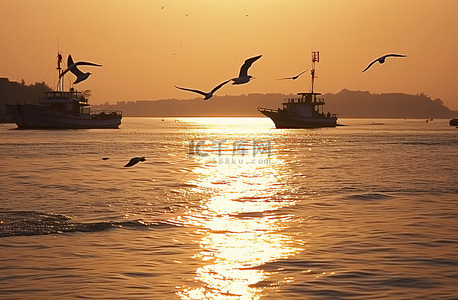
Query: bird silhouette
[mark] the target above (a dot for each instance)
(243, 76)
(381, 59)
(294, 77)
(134, 161)
(206, 95)
(72, 67)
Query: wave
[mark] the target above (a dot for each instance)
(25, 223)
(368, 196)
(431, 143)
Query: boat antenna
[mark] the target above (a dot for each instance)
(60, 83)
(315, 59)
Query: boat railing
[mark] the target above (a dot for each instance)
(314, 101)
(106, 112)
(293, 100)
(56, 95)
(322, 115)
(267, 109)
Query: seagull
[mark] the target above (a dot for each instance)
(206, 95)
(134, 161)
(72, 67)
(382, 59)
(294, 77)
(243, 76)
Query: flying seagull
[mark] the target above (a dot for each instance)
(382, 59)
(206, 95)
(134, 161)
(243, 76)
(72, 67)
(294, 77)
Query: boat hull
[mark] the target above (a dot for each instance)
(29, 116)
(284, 121)
(453, 122)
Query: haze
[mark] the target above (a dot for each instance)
(148, 47)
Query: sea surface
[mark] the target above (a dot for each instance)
(230, 208)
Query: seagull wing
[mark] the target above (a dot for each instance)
(247, 64)
(75, 70)
(371, 64)
(69, 61)
(300, 74)
(285, 78)
(294, 77)
(191, 90)
(396, 55)
(219, 86)
(134, 161)
(85, 63)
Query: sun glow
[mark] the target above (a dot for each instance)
(240, 228)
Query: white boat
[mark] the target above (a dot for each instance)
(303, 112)
(62, 110)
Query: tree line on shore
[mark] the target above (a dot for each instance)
(346, 103)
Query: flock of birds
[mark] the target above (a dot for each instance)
(241, 79)
(244, 77)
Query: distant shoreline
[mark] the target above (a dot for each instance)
(346, 104)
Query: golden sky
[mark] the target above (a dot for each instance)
(147, 47)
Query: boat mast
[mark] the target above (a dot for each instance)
(60, 83)
(315, 58)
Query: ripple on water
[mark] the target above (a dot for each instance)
(368, 196)
(23, 223)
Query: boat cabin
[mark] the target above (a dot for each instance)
(308, 105)
(69, 101)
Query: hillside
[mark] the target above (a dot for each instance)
(358, 104)
(347, 104)
(15, 92)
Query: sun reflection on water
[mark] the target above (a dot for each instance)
(240, 226)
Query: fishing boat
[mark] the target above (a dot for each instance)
(453, 122)
(303, 112)
(62, 110)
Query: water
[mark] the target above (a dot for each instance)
(229, 208)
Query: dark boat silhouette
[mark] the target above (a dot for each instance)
(303, 112)
(62, 110)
